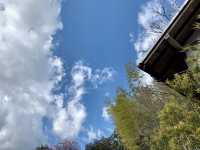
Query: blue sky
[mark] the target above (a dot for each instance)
(61, 61)
(97, 32)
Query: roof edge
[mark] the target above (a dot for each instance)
(178, 16)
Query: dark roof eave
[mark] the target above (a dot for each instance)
(180, 17)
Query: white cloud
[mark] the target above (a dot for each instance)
(29, 74)
(69, 121)
(101, 76)
(29, 71)
(147, 37)
(105, 113)
(148, 17)
(93, 134)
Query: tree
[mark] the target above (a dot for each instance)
(179, 127)
(124, 114)
(161, 117)
(65, 145)
(156, 117)
(187, 83)
(111, 143)
(180, 120)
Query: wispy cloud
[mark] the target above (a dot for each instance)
(93, 134)
(69, 121)
(105, 113)
(101, 76)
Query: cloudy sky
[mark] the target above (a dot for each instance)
(61, 61)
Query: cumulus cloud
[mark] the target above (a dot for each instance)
(29, 71)
(69, 121)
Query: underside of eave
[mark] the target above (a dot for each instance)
(179, 29)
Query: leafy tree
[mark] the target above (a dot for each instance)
(179, 127)
(157, 117)
(135, 111)
(127, 128)
(179, 120)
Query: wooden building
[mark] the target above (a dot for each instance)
(166, 58)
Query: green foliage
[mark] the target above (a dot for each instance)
(179, 128)
(183, 83)
(135, 116)
(179, 121)
(156, 117)
(188, 83)
(126, 127)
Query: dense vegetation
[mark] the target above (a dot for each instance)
(161, 116)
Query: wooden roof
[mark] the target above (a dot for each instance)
(165, 59)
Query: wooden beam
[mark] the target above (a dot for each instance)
(173, 42)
